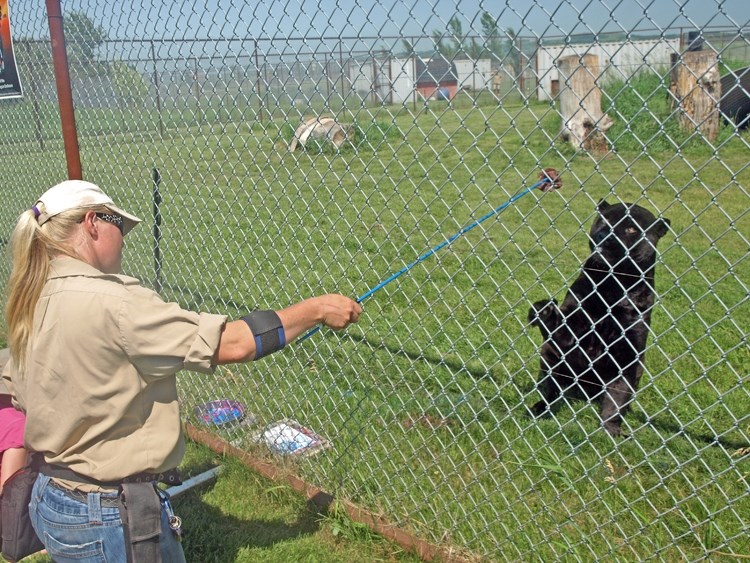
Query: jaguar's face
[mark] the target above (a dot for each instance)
(626, 231)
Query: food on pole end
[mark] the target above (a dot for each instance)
(550, 180)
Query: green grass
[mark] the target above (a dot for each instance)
(248, 224)
(245, 517)
(644, 117)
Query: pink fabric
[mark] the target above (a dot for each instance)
(12, 423)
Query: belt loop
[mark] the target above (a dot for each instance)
(95, 508)
(43, 482)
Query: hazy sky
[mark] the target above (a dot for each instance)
(349, 18)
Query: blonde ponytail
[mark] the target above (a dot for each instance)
(32, 249)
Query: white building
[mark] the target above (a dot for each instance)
(394, 81)
(617, 61)
(474, 75)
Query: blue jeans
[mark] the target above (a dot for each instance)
(87, 532)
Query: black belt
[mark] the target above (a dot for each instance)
(169, 477)
(80, 496)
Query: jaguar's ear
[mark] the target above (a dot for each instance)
(661, 227)
(602, 205)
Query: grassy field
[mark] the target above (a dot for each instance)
(424, 400)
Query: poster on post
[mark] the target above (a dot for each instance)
(10, 82)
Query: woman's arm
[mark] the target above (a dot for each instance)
(334, 311)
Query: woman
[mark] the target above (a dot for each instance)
(94, 358)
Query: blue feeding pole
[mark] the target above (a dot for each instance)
(549, 176)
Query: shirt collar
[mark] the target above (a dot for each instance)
(66, 266)
(69, 267)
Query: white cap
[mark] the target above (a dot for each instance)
(72, 194)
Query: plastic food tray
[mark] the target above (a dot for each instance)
(220, 412)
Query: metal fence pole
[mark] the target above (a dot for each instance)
(157, 199)
(258, 82)
(158, 93)
(35, 102)
(64, 89)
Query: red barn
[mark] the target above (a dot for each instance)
(436, 78)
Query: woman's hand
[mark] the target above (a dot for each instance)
(338, 311)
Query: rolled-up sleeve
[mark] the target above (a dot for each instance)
(201, 354)
(161, 338)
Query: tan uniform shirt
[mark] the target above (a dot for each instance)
(99, 390)
(4, 362)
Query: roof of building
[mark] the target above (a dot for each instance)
(435, 71)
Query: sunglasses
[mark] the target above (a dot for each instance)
(116, 220)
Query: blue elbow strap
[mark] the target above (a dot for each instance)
(268, 332)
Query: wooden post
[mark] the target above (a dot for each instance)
(583, 123)
(696, 90)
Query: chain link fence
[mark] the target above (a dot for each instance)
(438, 114)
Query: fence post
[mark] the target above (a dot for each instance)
(158, 94)
(157, 230)
(64, 90)
(343, 84)
(326, 105)
(198, 91)
(257, 73)
(35, 103)
(414, 78)
(522, 76)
